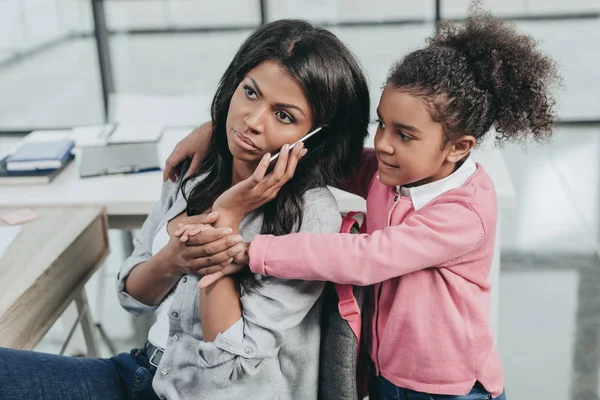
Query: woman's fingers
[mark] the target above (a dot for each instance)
(206, 219)
(210, 279)
(279, 171)
(261, 169)
(219, 259)
(295, 156)
(208, 236)
(217, 247)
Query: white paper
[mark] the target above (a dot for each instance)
(95, 135)
(136, 133)
(8, 234)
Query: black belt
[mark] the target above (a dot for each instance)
(155, 354)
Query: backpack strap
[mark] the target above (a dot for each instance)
(347, 305)
(348, 308)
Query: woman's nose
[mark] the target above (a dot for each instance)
(255, 120)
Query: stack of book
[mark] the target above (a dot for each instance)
(36, 162)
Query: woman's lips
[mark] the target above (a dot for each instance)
(245, 142)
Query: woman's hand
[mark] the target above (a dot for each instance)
(258, 189)
(194, 145)
(210, 247)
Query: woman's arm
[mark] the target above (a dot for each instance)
(220, 304)
(269, 310)
(144, 279)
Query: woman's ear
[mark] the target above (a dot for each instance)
(460, 148)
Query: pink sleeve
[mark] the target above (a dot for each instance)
(441, 233)
(360, 182)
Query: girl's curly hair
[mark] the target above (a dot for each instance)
(481, 75)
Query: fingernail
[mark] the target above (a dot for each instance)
(304, 151)
(236, 239)
(237, 249)
(286, 147)
(226, 231)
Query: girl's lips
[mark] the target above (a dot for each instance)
(385, 165)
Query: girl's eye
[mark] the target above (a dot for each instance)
(403, 137)
(284, 117)
(250, 93)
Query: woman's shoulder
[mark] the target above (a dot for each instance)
(320, 196)
(321, 212)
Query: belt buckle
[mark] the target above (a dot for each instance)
(155, 353)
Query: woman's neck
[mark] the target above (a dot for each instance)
(241, 170)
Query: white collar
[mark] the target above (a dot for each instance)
(421, 195)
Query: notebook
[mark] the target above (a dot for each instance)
(37, 156)
(118, 159)
(9, 178)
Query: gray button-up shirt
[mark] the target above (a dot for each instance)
(271, 352)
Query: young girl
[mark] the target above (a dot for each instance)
(431, 210)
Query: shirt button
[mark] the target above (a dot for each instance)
(175, 337)
(175, 314)
(164, 372)
(396, 198)
(184, 279)
(248, 351)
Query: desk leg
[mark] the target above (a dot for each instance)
(495, 282)
(87, 324)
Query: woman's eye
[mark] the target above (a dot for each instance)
(250, 92)
(379, 123)
(284, 117)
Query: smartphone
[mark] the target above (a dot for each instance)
(275, 156)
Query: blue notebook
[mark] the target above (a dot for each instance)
(36, 156)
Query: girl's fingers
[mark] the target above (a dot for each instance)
(210, 279)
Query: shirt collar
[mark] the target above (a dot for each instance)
(421, 195)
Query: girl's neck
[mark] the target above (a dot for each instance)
(241, 170)
(445, 171)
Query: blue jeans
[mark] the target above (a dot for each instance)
(30, 375)
(382, 389)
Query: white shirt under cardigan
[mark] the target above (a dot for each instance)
(271, 352)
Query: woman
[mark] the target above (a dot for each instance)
(242, 337)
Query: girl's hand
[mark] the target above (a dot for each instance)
(195, 145)
(258, 189)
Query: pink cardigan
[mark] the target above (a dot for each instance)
(429, 329)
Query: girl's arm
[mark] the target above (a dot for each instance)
(195, 146)
(438, 235)
(359, 182)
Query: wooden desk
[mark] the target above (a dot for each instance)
(46, 268)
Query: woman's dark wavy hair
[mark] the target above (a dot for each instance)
(481, 75)
(335, 88)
